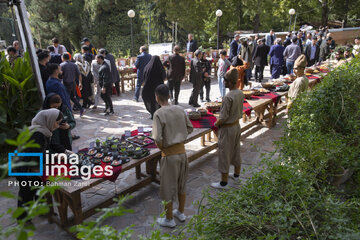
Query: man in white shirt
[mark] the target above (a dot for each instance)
(95, 67)
(59, 49)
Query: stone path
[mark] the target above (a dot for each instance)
(146, 203)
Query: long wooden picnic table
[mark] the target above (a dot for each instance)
(69, 196)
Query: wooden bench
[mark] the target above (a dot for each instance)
(128, 76)
(69, 197)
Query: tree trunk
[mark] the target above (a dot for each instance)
(256, 23)
(345, 13)
(324, 12)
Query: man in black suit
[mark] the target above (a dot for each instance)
(312, 52)
(175, 65)
(196, 75)
(234, 47)
(191, 45)
(260, 59)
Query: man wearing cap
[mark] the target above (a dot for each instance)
(86, 42)
(312, 52)
(234, 46)
(196, 78)
(291, 53)
(229, 130)
(301, 82)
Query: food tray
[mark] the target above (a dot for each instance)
(213, 106)
(140, 140)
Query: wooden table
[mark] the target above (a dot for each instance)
(128, 75)
(69, 197)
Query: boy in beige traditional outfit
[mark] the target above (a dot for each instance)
(229, 130)
(301, 83)
(171, 127)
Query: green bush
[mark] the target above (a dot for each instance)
(294, 197)
(19, 99)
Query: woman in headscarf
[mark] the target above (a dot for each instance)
(84, 68)
(241, 66)
(62, 135)
(42, 126)
(154, 75)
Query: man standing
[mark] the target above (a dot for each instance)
(54, 85)
(301, 83)
(95, 67)
(115, 77)
(105, 84)
(191, 45)
(312, 52)
(58, 48)
(54, 57)
(270, 38)
(16, 45)
(234, 47)
(308, 39)
(277, 58)
(70, 73)
(291, 53)
(325, 49)
(260, 59)
(86, 42)
(299, 41)
(85, 50)
(196, 75)
(141, 61)
(287, 41)
(175, 65)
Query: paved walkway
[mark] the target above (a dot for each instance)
(146, 203)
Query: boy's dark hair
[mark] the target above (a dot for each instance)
(10, 49)
(100, 56)
(85, 48)
(55, 40)
(162, 92)
(52, 67)
(42, 55)
(223, 52)
(51, 48)
(66, 56)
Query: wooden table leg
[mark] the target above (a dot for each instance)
(122, 84)
(75, 205)
(138, 171)
(203, 140)
(209, 137)
(62, 207)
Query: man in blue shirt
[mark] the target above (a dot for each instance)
(312, 52)
(54, 85)
(234, 47)
(141, 61)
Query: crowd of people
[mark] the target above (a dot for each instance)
(93, 74)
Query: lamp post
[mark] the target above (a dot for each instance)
(291, 12)
(131, 15)
(218, 13)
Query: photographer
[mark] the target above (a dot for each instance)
(62, 135)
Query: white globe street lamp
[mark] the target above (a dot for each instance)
(291, 13)
(218, 14)
(131, 15)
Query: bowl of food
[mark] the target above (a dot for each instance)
(309, 70)
(202, 111)
(248, 93)
(99, 155)
(213, 106)
(91, 152)
(96, 161)
(194, 115)
(107, 159)
(256, 92)
(263, 90)
(267, 85)
(116, 163)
